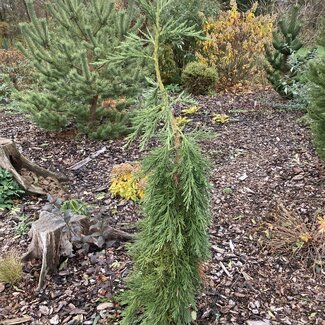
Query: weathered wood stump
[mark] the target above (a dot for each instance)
(46, 235)
(54, 237)
(13, 161)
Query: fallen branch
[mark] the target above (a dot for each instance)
(85, 161)
(14, 321)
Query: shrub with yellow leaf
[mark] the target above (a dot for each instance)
(126, 183)
(182, 120)
(190, 110)
(220, 118)
(235, 45)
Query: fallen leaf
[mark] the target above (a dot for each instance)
(55, 320)
(105, 305)
(242, 177)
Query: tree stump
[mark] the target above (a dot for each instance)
(46, 235)
(13, 161)
(53, 236)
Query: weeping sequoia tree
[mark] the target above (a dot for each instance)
(64, 50)
(172, 242)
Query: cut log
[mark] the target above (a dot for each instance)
(13, 161)
(54, 237)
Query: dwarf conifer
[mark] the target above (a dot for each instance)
(172, 242)
(64, 50)
(316, 75)
(280, 72)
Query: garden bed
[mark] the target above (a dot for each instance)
(261, 156)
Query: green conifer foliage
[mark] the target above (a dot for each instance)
(65, 51)
(193, 13)
(316, 75)
(280, 72)
(173, 241)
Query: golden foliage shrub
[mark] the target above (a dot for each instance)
(126, 183)
(235, 45)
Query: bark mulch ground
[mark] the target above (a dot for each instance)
(260, 157)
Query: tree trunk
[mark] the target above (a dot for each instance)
(93, 110)
(14, 162)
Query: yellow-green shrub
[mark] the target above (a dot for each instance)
(198, 78)
(126, 183)
(220, 118)
(235, 44)
(11, 269)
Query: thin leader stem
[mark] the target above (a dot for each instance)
(176, 131)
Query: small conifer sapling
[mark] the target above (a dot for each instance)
(64, 50)
(172, 242)
(280, 72)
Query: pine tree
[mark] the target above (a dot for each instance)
(280, 72)
(316, 75)
(66, 51)
(173, 241)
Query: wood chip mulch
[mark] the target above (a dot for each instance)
(260, 157)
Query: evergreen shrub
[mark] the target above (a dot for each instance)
(169, 69)
(67, 52)
(316, 76)
(192, 13)
(284, 71)
(199, 79)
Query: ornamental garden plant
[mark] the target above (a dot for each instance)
(172, 243)
(234, 45)
(72, 88)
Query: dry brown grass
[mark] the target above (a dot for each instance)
(294, 236)
(11, 270)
